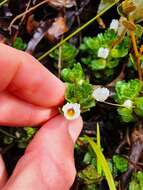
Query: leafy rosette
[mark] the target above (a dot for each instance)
(129, 95)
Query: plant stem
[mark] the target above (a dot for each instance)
(112, 104)
(7, 134)
(77, 31)
(136, 54)
(3, 2)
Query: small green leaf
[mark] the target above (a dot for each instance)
(68, 55)
(139, 106)
(98, 64)
(136, 181)
(127, 90)
(119, 53)
(89, 175)
(74, 75)
(19, 44)
(112, 63)
(82, 94)
(121, 164)
(126, 114)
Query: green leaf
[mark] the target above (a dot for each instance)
(82, 94)
(126, 114)
(98, 64)
(68, 55)
(112, 63)
(139, 106)
(89, 175)
(119, 53)
(104, 163)
(121, 164)
(127, 90)
(136, 181)
(87, 158)
(90, 43)
(19, 44)
(108, 72)
(8, 140)
(74, 75)
(139, 31)
(25, 139)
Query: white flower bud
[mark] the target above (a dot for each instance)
(114, 25)
(128, 104)
(100, 94)
(71, 111)
(103, 53)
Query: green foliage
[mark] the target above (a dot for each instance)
(8, 140)
(82, 94)
(89, 158)
(20, 136)
(130, 90)
(139, 106)
(100, 66)
(120, 163)
(126, 114)
(127, 90)
(136, 181)
(104, 163)
(26, 137)
(92, 44)
(19, 44)
(79, 90)
(89, 175)
(68, 55)
(74, 75)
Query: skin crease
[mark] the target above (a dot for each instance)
(30, 95)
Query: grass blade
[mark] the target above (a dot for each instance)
(103, 162)
(99, 167)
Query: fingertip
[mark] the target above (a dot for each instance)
(75, 128)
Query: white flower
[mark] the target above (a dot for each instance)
(128, 104)
(71, 111)
(114, 25)
(103, 53)
(100, 94)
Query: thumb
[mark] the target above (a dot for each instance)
(48, 162)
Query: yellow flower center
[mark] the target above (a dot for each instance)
(71, 112)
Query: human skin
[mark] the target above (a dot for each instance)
(30, 96)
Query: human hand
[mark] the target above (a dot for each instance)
(29, 95)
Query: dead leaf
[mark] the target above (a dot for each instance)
(58, 28)
(62, 3)
(38, 34)
(31, 24)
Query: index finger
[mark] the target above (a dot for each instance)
(25, 77)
